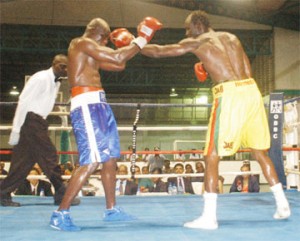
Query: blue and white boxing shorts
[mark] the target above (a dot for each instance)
(94, 127)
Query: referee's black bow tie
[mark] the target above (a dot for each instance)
(57, 79)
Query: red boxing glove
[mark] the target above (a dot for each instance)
(146, 31)
(200, 72)
(121, 37)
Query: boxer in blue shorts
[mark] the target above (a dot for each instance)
(94, 127)
(92, 119)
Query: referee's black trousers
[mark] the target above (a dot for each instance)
(34, 146)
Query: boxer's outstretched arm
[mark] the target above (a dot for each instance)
(170, 50)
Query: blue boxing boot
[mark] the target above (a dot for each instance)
(117, 214)
(61, 220)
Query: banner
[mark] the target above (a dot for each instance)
(276, 131)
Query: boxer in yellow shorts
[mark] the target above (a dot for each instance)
(238, 118)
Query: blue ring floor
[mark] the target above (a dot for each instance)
(160, 218)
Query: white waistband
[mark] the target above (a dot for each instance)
(88, 98)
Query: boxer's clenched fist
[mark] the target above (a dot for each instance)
(200, 72)
(146, 31)
(121, 37)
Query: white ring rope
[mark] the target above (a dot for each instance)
(137, 176)
(128, 128)
(292, 171)
(66, 177)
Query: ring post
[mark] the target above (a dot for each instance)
(134, 136)
(276, 131)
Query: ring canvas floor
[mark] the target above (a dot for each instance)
(241, 217)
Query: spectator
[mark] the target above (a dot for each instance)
(37, 166)
(246, 182)
(145, 183)
(2, 170)
(179, 157)
(220, 184)
(69, 168)
(189, 169)
(194, 156)
(137, 171)
(183, 184)
(62, 169)
(199, 169)
(146, 157)
(125, 186)
(167, 166)
(158, 184)
(34, 187)
(156, 160)
(88, 189)
(127, 157)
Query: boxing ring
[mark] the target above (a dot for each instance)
(161, 216)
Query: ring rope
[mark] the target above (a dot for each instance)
(127, 128)
(291, 171)
(291, 100)
(170, 175)
(65, 177)
(5, 152)
(133, 105)
(150, 105)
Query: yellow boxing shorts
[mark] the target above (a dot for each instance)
(238, 118)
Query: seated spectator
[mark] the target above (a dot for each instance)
(145, 183)
(62, 169)
(2, 170)
(245, 183)
(189, 169)
(137, 171)
(194, 156)
(34, 186)
(37, 166)
(167, 167)
(146, 157)
(129, 156)
(179, 157)
(125, 186)
(220, 184)
(183, 184)
(199, 169)
(158, 184)
(88, 189)
(156, 160)
(69, 167)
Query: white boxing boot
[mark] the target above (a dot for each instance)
(208, 220)
(283, 209)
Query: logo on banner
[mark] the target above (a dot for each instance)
(276, 106)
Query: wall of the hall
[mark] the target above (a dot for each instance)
(287, 59)
(127, 14)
